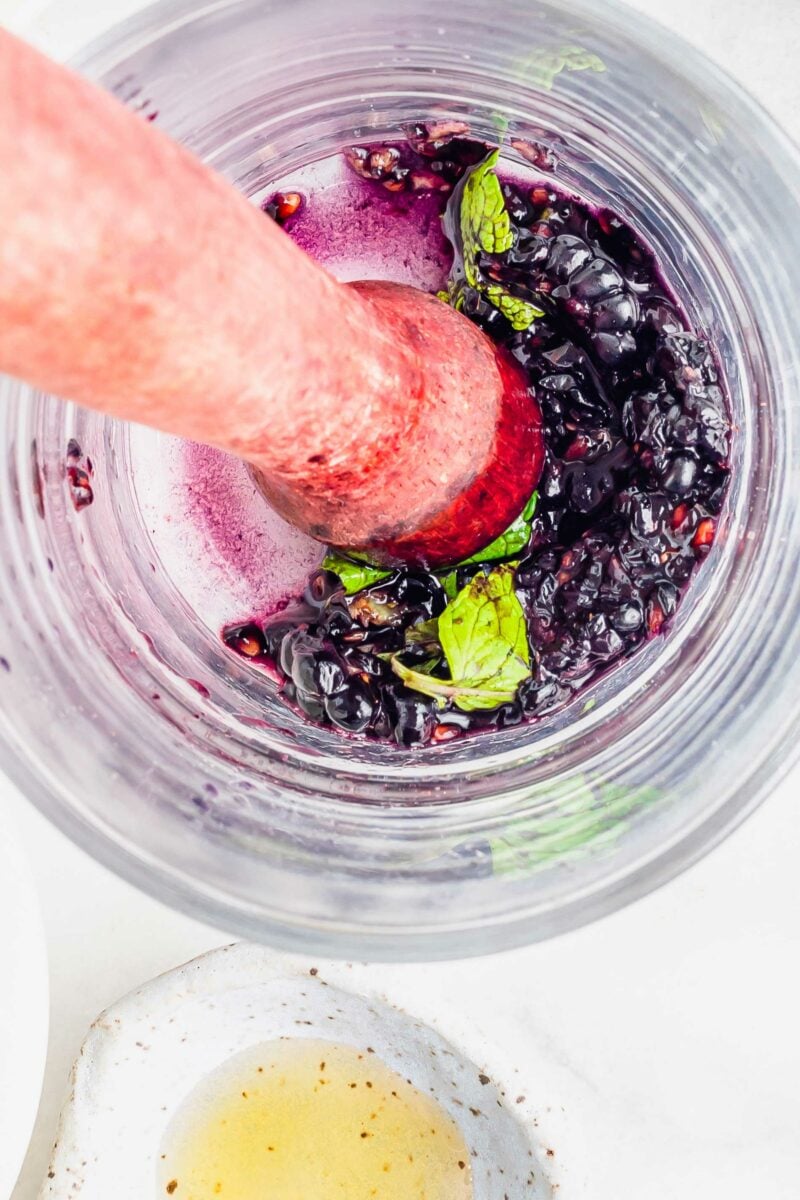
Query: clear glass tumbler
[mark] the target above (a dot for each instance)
(123, 717)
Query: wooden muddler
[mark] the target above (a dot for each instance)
(135, 280)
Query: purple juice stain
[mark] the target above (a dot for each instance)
(248, 540)
(359, 230)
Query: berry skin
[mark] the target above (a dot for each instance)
(412, 717)
(283, 623)
(351, 709)
(298, 645)
(679, 474)
(329, 674)
(304, 668)
(310, 704)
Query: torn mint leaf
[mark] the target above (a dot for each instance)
(477, 223)
(354, 575)
(483, 632)
(520, 313)
(578, 58)
(484, 219)
(501, 123)
(587, 816)
(449, 581)
(484, 638)
(544, 64)
(429, 666)
(369, 609)
(514, 539)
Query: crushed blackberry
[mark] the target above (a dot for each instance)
(637, 430)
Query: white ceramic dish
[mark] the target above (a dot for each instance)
(148, 1052)
(24, 1005)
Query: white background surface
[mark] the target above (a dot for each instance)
(670, 1031)
(23, 1002)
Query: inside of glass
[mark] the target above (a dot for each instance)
(255, 135)
(207, 768)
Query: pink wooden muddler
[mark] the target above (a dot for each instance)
(135, 280)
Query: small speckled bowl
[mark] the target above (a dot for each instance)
(148, 1052)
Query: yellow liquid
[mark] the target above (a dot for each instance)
(311, 1120)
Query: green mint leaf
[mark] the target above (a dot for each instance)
(501, 123)
(484, 635)
(425, 633)
(569, 820)
(576, 58)
(484, 638)
(369, 609)
(544, 64)
(514, 539)
(477, 223)
(484, 219)
(529, 511)
(541, 68)
(520, 313)
(449, 582)
(466, 696)
(354, 575)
